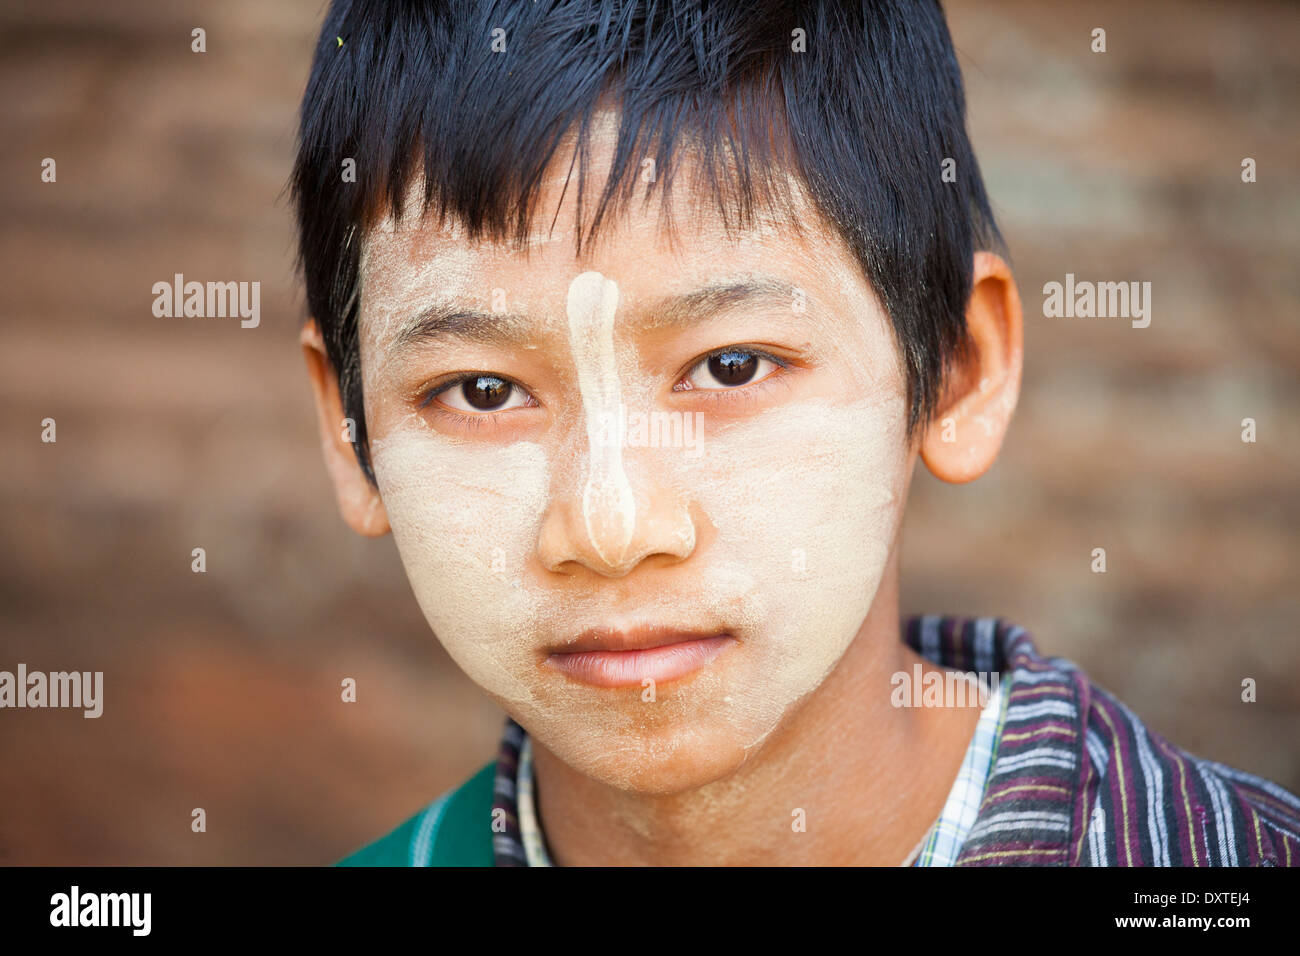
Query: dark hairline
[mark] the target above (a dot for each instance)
(897, 221)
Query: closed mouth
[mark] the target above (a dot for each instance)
(606, 657)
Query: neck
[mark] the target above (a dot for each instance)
(868, 778)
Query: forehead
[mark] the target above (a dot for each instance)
(653, 250)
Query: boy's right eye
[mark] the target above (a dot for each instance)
(480, 393)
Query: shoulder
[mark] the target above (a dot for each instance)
(454, 830)
(1078, 779)
(1149, 802)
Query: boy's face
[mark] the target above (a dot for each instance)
(600, 481)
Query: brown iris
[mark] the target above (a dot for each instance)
(733, 368)
(486, 392)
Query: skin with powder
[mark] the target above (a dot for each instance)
(535, 534)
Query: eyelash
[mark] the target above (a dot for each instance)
(742, 393)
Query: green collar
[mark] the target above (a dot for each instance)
(454, 830)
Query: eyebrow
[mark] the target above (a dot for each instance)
(443, 321)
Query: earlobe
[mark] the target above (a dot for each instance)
(358, 500)
(963, 439)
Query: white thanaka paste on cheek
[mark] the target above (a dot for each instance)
(462, 514)
(608, 504)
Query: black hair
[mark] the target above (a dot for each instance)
(860, 100)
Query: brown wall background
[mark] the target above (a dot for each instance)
(222, 689)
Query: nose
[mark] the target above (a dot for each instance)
(602, 519)
(609, 527)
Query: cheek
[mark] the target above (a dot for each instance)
(465, 521)
(807, 500)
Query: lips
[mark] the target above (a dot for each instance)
(607, 657)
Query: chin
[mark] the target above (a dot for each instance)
(670, 754)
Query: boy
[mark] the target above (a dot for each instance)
(646, 463)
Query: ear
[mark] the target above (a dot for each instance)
(358, 499)
(980, 393)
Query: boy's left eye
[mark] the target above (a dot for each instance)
(728, 368)
(483, 393)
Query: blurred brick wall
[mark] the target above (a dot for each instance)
(222, 689)
(1127, 166)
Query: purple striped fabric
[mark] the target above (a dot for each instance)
(507, 846)
(1077, 779)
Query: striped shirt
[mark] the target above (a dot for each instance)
(1079, 780)
(944, 841)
